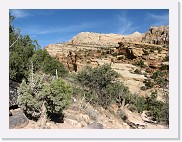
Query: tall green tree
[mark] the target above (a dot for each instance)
(21, 49)
(42, 61)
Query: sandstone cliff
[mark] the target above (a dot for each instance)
(103, 40)
(157, 35)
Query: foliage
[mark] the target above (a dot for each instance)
(55, 94)
(101, 84)
(146, 52)
(137, 71)
(148, 83)
(159, 78)
(24, 51)
(44, 62)
(132, 108)
(140, 64)
(19, 60)
(21, 49)
(164, 67)
(159, 110)
(114, 54)
(122, 114)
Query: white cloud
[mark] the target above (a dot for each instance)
(159, 19)
(125, 25)
(18, 13)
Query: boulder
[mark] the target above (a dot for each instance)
(13, 93)
(18, 121)
(134, 52)
(95, 125)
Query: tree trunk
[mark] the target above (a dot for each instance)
(43, 117)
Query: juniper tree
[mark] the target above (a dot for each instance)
(42, 95)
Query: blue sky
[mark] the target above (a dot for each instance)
(55, 26)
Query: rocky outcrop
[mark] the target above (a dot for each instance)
(18, 120)
(13, 93)
(157, 35)
(103, 40)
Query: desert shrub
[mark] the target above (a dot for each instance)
(157, 74)
(104, 54)
(148, 83)
(138, 102)
(132, 108)
(44, 62)
(164, 67)
(166, 58)
(152, 50)
(159, 78)
(159, 110)
(40, 90)
(140, 63)
(114, 54)
(122, 114)
(102, 85)
(143, 88)
(159, 49)
(146, 52)
(137, 71)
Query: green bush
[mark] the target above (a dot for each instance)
(148, 83)
(102, 84)
(21, 49)
(19, 59)
(55, 94)
(50, 65)
(159, 110)
(132, 108)
(159, 78)
(44, 62)
(114, 54)
(140, 63)
(164, 67)
(122, 114)
(137, 71)
(157, 74)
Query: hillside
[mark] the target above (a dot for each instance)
(137, 71)
(123, 52)
(141, 61)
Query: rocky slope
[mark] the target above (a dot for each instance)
(123, 52)
(81, 115)
(140, 59)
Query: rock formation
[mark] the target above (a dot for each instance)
(103, 40)
(157, 35)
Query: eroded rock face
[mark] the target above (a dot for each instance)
(157, 35)
(103, 40)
